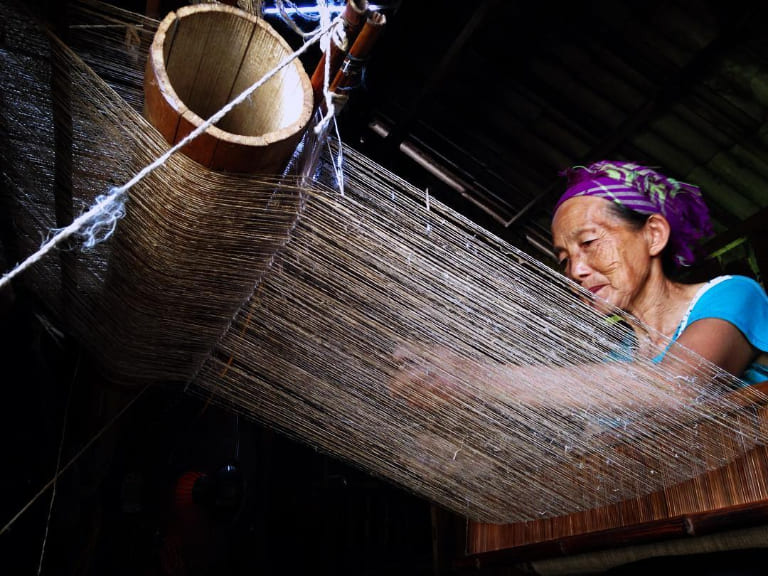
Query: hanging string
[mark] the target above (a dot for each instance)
(338, 160)
(321, 128)
(338, 37)
(72, 460)
(285, 17)
(325, 46)
(65, 418)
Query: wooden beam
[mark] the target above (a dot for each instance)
(686, 527)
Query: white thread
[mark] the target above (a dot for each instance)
(337, 163)
(325, 21)
(325, 45)
(74, 459)
(58, 466)
(114, 203)
(330, 106)
(289, 21)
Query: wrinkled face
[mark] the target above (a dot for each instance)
(601, 251)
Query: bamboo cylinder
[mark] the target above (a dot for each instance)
(201, 58)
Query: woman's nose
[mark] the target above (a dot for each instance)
(579, 268)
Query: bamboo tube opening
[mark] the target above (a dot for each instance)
(201, 58)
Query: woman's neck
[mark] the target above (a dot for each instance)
(662, 305)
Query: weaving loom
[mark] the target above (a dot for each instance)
(285, 296)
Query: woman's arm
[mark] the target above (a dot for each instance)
(430, 376)
(721, 343)
(712, 339)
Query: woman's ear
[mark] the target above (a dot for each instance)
(657, 232)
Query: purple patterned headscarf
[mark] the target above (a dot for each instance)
(646, 191)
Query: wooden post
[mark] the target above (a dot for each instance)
(350, 72)
(353, 18)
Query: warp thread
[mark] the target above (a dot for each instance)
(360, 277)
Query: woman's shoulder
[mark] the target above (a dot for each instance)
(729, 297)
(740, 300)
(732, 285)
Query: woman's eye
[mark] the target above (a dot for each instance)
(586, 243)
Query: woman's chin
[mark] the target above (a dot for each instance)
(602, 306)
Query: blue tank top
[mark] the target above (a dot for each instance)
(741, 301)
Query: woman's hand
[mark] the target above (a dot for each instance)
(427, 379)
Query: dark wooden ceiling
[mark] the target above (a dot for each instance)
(484, 102)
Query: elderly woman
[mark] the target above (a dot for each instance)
(621, 228)
(620, 231)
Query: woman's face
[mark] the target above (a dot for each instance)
(602, 252)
